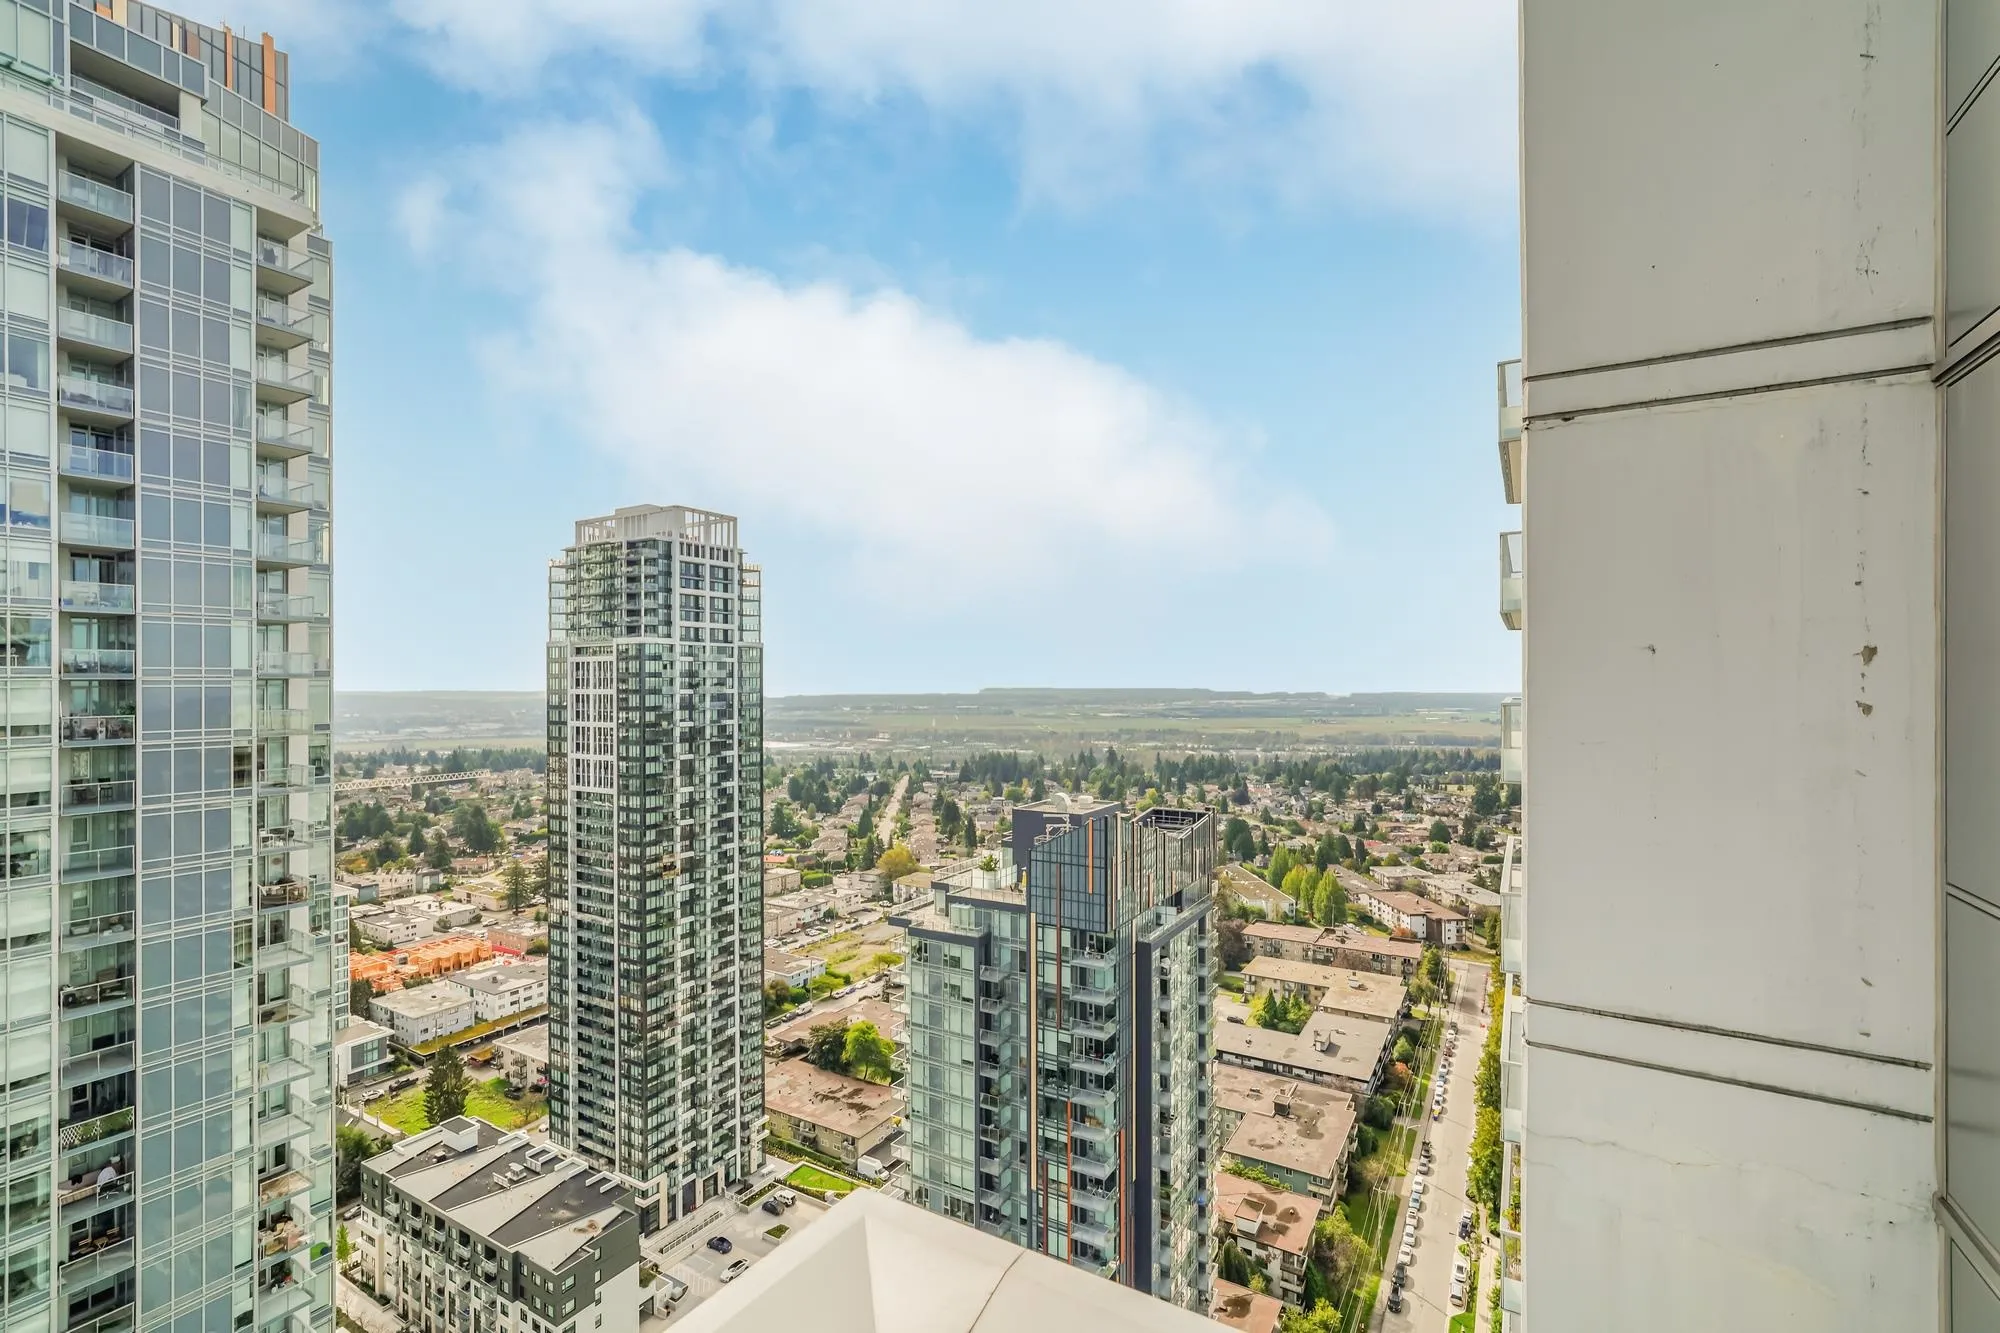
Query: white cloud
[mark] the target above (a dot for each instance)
(906, 441)
(1397, 106)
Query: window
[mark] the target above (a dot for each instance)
(28, 225)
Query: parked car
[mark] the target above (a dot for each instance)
(1395, 1300)
(773, 1207)
(785, 1198)
(1424, 1167)
(1406, 1257)
(720, 1244)
(1460, 1269)
(735, 1270)
(1457, 1293)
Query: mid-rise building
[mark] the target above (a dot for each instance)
(166, 439)
(1060, 1042)
(468, 1227)
(656, 858)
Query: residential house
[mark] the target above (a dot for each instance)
(796, 970)
(361, 1051)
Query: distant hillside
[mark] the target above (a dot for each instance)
(425, 717)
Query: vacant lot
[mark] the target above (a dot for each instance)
(489, 1101)
(861, 953)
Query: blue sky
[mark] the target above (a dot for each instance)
(1145, 342)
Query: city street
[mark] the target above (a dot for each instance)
(1427, 1298)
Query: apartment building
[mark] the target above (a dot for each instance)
(503, 990)
(1061, 1030)
(468, 1227)
(656, 858)
(1755, 584)
(1272, 1228)
(167, 439)
(424, 1014)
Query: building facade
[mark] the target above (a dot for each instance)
(1755, 580)
(655, 787)
(166, 436)
(468, 1227)
(1061, 1040)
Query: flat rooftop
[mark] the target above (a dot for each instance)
(1243, 1309)
(1333, 1045)
(530, 1198)
(850, 1106)
(1277, 1218)
(1310, 1138)
(888, 1019)
(1364, 994)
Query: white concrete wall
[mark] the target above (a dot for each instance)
(1731, 217)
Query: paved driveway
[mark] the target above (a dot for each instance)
(1427, 1298)
(701, 1268)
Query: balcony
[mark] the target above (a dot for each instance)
(93, 464)
(99, 598)
(282, 895)
(1511, 458)
(278, 381)
(95, 996)
(95, 862)
(280, 1013)
(286, 777)
(1513, 1090)
(88, 932)
(99, 729)
(283, 721)
(271, 1073)
(84, 797)
(98, 661)
(278, 325)
(290, 607)
(82, 1133)
(86, 398)
(274, 663)
(1513, 909)
(116, 1318)
(95, 269)
(88, 1066)
(96, 1258)
(105, 532)
(279, 438)
(107, 203)
(281, 494)
(282, 269)
(1513, 586)
(281, 954)
(278, 1127)
(1513, 733)
(274, 551)
(99, 332)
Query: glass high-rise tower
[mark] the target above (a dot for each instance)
(165, 334)
(656, 867)
(1061, 1042)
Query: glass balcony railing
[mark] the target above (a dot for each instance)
(88, 529)
(85, 394)
(95, 329)
(278, 433)
(105, 200)
(286, 776)
(281, 317)
(89, 729)
(98, 661)
(97, 860)
(272, 663)
(277, 550)
(82, 460)
(90, 262)
(1513, 588)
(111, 597)
(284, 261)
(1513, 909)
(283, 721)
(1512, 400)
(278, 373)
(290, 606)
(1513, 734)
(103, 928)
(105, 990)
(282, 490)
(85, 796)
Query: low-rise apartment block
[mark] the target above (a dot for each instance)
(1334, 1050)
(796, 970)
(1272, 1228)
(502, 990)
(477, 1229)
(421, 1015)
(1245, 1310)
(844, 1118)
(789, 1037)
(1302, 1133)
(1338, 990)
(1413, 915)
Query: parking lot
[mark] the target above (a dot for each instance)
(701, 1268)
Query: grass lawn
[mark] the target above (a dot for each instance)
(806, 1176)
(488, 1101)
(1461, 1323)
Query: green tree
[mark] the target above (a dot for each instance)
(1281, 1015)
(418, 843)
(1380, 1112)
(343, 1249)
(1282, 862)
(1335, 1245)
(387, 850)
(1440, 831)
(1297, 884)
(1236, 1166)
(514, 879)
(470, 824)
(1323, 1318)
(1430, 966)
(1237, 841)
(352, 1145)
(1230, 944)
(445, 1087)
(777, 997)
(868, 1054)
(971, 832)
(360, 994)
(1230, 1265)
(895, 863)
(826, 1046)
(1402, 1055)
(438, 855)
(1486, 796)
